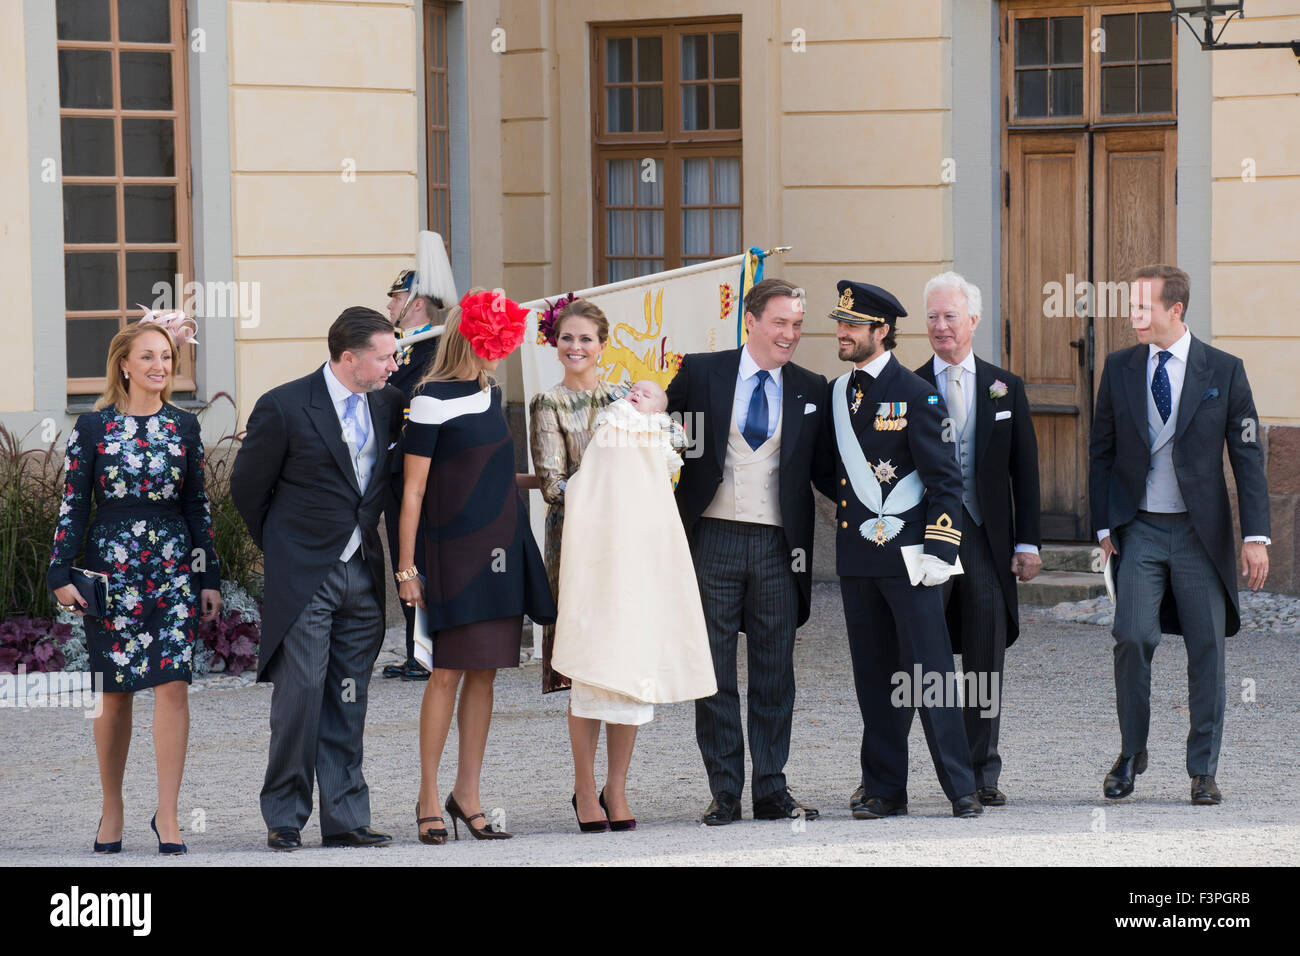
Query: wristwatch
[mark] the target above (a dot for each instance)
(402, 576)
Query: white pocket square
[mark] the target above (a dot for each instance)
(809, 408)
(1001, 416)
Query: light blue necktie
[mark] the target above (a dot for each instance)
(359, 431)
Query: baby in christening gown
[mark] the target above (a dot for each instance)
(630, 632)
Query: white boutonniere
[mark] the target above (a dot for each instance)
(998, 389)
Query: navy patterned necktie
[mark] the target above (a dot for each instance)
(756, 418)
(1160, 390)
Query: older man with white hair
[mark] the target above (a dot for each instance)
(993, 441)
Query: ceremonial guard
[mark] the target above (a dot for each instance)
(412, 300)
(896, 484)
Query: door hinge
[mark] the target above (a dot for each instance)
(1007, 339)
(1006, 188)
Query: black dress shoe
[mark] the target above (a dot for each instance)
(873, 808)
(859, 797)
(782, 805)
(722, 810)
(411, 670)
(361, 836)
(1205, 792)
(991, 797)
(1119, 782)
(283, 838)
(967, 806)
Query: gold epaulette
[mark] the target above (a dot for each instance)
(942, 530)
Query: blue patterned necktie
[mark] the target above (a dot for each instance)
(359, 431)
(1160, 390)
(756, 418)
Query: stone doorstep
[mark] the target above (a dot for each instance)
(1053, 587)
(1067, 557)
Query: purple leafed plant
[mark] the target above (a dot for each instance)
(233, 641)
(34, 645)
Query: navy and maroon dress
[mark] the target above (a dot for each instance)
(484, 571)
(151, 524)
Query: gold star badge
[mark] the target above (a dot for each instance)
(885, 471)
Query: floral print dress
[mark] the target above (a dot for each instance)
(152, 536)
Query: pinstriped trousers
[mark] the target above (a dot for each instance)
(983, 613)
(1158, 551)
(318, 709)
(746, 584)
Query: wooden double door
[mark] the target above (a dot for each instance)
(1087, 200)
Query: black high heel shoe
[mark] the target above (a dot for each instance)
(114, 847)
(593, 826)
(432, 837)
(169, 849)
(629, 824)
(484, 833)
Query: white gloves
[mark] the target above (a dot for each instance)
(934, 570)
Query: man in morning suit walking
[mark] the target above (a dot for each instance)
(998, 455)
(746, 503)
(309, 481)
(897, 484)
(1165, 410)
(413, 298)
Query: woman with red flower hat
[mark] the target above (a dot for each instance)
(485, 571)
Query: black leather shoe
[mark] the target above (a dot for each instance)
(967, 806)
(411, 670)
(991, 797)
(284, 838)
(782, 805)
(722, 810)
(859, 798)
(1119, 782)
(361, 836)
(873, 808)
(1205, 792)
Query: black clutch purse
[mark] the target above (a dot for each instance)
(93, 588)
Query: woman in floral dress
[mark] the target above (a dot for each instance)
(141, 460)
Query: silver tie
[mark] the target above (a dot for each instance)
(956, 399)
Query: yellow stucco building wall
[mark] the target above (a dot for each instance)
(1255, 243)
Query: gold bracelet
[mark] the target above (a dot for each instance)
(403, 576)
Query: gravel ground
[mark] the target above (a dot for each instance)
(1059, 737)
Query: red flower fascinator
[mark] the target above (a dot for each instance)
(493, 325)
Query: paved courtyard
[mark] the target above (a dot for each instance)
(1059, 737)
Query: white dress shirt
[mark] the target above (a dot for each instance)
(1176, 369)
(363, 459)
(745, 384)
(942, 378)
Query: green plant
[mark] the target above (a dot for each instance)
(241, 560)
(31, 490)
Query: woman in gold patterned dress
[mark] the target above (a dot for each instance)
(561, 423)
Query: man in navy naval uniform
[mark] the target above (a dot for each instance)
(896, 484)
(413, 299)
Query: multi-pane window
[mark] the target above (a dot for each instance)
(124, 170)
(1099, 63)
(668, 139)
(1137, 67)
(436, 113)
